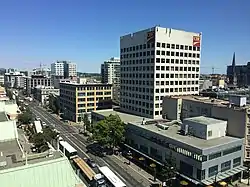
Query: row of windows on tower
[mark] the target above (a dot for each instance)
(160, 52)
(158, 75)
(127, 91)
(158, 44)
(159, 60)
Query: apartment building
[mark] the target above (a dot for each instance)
(110, 72)
(63, 68)
(57, 68)
(198, 148)
(235, 111)
(77, 99)
(1, 80)
(14, 80)
(41, 93)
(36, 80)
(70, 70)
(156, 62)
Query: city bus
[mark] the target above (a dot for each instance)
(67, 149)
(111, 179)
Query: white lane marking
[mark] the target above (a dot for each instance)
(101, 160)
(77, 147)
(86, 153)
(132, 168)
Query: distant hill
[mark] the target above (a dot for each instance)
(80, 74)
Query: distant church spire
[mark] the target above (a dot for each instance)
(233, 62)
(234, 71)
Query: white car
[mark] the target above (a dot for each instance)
(44, 124)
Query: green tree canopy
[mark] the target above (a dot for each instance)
(53, 104)
(109, 131)
(86, 122)
(26, 117)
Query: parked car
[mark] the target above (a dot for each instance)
(91, 163)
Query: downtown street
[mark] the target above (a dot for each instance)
(131, 177)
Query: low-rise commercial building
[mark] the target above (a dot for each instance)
(236, 112)
(10, 108)
(77, 99)
(20, 167)
(198, 147)
(41, 93)
(126, 118)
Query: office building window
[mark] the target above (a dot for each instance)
(213, 171)
(214, 155)
(209, 133)
(236, 162)
(232, 150)
(226, 166)
(200, 174)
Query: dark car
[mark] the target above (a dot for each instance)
(96, 149)
(91, 163)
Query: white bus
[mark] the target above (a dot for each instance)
(67, 149)
(111, 179)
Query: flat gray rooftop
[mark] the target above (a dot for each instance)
(173, 132)
(3, 117)
(204, 120)
(124, 116)
(14, 156)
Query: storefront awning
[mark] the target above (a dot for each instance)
(224, 175)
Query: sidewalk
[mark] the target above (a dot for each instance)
(135, 171)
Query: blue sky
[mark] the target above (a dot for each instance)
(88, 32)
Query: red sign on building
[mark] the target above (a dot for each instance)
(196, 41)
(151, 37)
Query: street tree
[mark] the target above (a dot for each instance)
(87, 124)
(169, 170)
(49, 134)
(109, 131)
(53, 104)
(25, 117)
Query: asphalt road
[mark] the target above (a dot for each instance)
(71, 135)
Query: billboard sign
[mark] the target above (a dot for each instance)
(196, 41)
(151, 37)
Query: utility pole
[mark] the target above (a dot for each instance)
(213, 70)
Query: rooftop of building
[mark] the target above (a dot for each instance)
(208, 100)
(125, 117)
(50, 165)
(173, 131)
(3, 117)
(87, 84)
(204, 120)
(156, 27)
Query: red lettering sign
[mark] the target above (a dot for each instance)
(196, 41)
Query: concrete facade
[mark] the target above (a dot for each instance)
(158, 61)
(110, 71)
(238, 118)
(197, 159)
(41, 93)
(37, 80)
(77, 99)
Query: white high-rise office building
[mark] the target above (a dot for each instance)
(70, 70)
(157, 62)
(57, 68)
(110, 71)
(63, 68)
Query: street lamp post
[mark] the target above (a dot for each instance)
(154, 167)
(215, 178)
